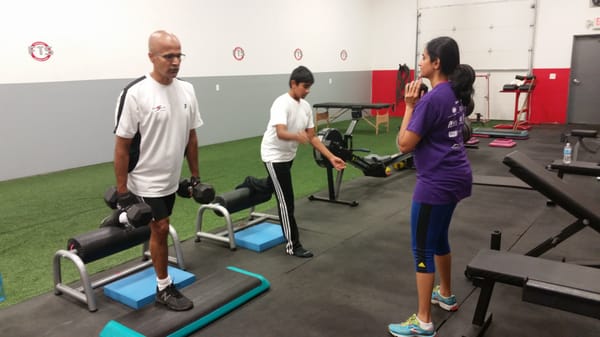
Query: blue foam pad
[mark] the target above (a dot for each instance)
(260, 237)
(139, 289)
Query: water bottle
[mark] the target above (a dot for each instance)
(1, 289)
(567, 153)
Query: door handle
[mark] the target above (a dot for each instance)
(576, 81)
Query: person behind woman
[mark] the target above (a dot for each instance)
(432, 129)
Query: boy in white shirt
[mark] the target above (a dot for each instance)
(290, 124)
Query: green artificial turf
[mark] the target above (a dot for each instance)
(40, 213)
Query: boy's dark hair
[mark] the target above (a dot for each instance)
(301, 75)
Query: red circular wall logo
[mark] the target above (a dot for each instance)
(40, 51)
(238, 53)
(344, 54)
(298, 54)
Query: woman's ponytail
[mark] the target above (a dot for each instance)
(462, 80)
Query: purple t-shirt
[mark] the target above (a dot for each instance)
(443, 170)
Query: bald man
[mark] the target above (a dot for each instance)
(156, 120)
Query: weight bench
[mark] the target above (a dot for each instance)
(584, 168)
(565, 195)
(100, 243)
(576, 166)
(581, 135)
(228, 203)
(559, 285)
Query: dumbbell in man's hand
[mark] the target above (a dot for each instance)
(129, 210)
(202, 193)
(115, 200)
(185, 189)
(127, 200)
(193, 188)
(133, 217)
(110, 197)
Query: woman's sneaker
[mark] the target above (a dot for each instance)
(446, 303)
(410, 328)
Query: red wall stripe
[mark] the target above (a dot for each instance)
(548, 101)
(383, 89)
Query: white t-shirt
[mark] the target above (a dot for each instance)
(163, 115)
(296, 116)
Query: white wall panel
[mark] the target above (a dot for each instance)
(494, 37)
(108, 39)
(393, 32)
(557, 22)
(491, 34)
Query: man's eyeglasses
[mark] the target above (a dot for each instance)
(170, 57)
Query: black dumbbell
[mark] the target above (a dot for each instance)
(113, 200)
(135, 216)
(184, 189)
(110, 197)
(202, 193)
(139, 214)
(132, 215)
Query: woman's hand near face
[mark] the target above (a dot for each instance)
(412, 93)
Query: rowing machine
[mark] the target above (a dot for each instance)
(371, 165)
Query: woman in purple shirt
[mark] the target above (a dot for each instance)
(432, 130)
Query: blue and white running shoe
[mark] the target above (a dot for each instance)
(446, 303)
(410, 328)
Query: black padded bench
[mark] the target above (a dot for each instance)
(583, 133)
(559, 285)
(578, 167)
(585, 168)
(561, 193)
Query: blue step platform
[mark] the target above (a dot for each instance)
(214, 296)
(260, 237)
(139, 289)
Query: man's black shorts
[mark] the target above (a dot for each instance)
(162, 207)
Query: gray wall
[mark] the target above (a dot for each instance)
(47, 127)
